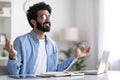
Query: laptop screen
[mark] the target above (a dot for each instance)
(103, 61)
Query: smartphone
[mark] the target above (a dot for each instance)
(22, 76)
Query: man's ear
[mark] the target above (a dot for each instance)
(33, 22)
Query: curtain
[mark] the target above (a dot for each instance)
(112, 31)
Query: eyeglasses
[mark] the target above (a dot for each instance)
(44, 16)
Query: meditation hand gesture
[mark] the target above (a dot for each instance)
(10, 49)
(82, 50)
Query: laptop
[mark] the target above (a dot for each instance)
(102, 66)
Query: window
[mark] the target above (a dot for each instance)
(112, 27)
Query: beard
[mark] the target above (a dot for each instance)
(45, 27)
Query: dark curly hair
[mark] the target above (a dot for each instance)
(32, 11)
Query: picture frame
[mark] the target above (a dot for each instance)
(2, 38)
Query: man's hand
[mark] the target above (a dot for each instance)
(10, 49)
(81, 53)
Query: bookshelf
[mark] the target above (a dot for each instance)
(5, 26)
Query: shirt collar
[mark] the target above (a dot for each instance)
(36, 38)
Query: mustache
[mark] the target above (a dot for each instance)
(46, 23)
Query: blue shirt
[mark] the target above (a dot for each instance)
(27, 51)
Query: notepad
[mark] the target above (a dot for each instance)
(60, 74)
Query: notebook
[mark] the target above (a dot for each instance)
(60, 74)
(102, 65)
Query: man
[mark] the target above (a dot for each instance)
(34, 52)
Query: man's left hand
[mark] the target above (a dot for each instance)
(79, 53)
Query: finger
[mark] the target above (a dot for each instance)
(8, 44)
(12, 49)
(88, 50)
(7, 41)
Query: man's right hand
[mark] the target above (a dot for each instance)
(10, 49)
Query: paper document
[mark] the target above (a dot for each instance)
(55, 74)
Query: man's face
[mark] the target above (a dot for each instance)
(43, 21)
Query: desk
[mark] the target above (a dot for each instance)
(111, 75)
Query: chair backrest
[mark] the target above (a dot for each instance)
(3, 70)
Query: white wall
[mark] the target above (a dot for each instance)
(63, 16)
(20, 24)
(86, 21)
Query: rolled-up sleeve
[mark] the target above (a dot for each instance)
(65, 65)
(13, 66)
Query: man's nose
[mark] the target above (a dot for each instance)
(48, 18)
